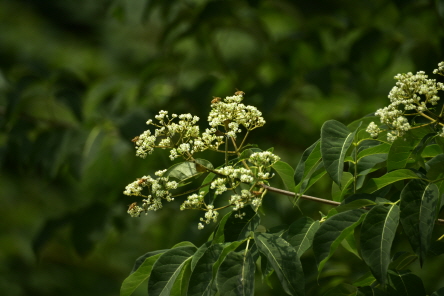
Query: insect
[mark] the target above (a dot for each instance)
(132, 206)
(215, 100)
(239, 93)
(140, 181)
(135, 139)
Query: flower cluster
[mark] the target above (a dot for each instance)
(413, 94)
(181, 135)
(231, 114)
(158, 189)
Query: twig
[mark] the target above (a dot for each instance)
(317, 199)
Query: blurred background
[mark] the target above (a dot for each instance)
(79, 79)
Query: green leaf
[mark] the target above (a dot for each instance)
(335, 141)
(137, 277)
(199, 253)
(342, 290)
(218, 234)
(405, 283)
(370, 291)
(284, 260)
(402, 260)
(439, 292)
(286, 172)
(180, 286)
(186, 170)
(332, 231)
(349, 243)
(201, 281)
(431, 151)
(377, 183)
(236, 275)
(338, 193)
(382, 148)
(435, 167)
(377, 234)
(239, 229)
(402, 149)
(419, 200)
(309, 160)
(167, 269)
(355, 204)
(300, 234)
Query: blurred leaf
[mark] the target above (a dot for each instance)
(332, 231)
(284, 260)
(343, 290)
(434, 167)
(439, 292)
(377, 233)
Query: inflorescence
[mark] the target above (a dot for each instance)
(180, 134)
(413, 95)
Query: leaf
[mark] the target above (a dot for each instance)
(377, 183)
(335, 141)
(286, 172)
(342, 290)
(227, 248)
(439, 292)
(382, 148)
(167, 268)
(137, 277)
(370, 291)
(239, 228)
(201, 281)
(377, 234)
(180, 286)
(218, 234)
(236, 275)
(185, 170)
(284, 260)
(141, 259)
(402, 149)
(199, 253)
(310, 158)
(349, 243)
(355, 204)
(332, 231)
(419, 200)
(405, 283)
(402, 260)
(435, 167)
(300, 234)
(338, 193)
(431, 151)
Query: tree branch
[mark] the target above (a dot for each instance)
(317, 199)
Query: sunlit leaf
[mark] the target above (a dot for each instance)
(419, 200)
(377, 233)
(332, 231)
(284, 260)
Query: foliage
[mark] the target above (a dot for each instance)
(78, 79)
(381, 185)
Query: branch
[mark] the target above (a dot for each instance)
(317, 199)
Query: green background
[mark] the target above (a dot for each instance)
(79, 79)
